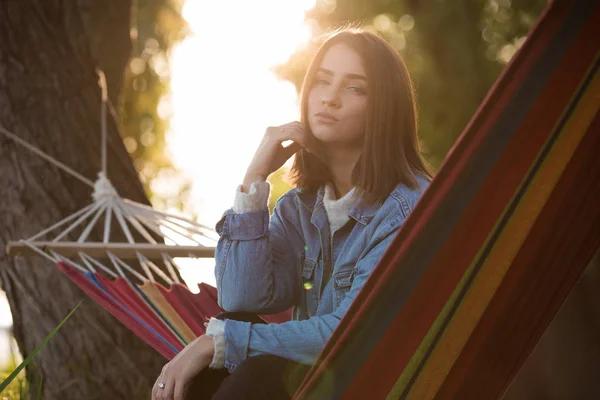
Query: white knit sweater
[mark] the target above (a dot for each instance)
(257, 199)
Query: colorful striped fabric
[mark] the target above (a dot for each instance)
(166, 319)
(493, 248)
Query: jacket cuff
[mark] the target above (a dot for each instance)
(256, 199)
(250, 225)
(237, 336)
(216, 330)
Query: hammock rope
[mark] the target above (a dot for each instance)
(189, 238)
(45, 156)
(166, 317)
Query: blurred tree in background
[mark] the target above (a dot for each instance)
(454, 50)
(57, 100)
(145, 109)
(49, 96)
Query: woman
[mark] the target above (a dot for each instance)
(358, 173)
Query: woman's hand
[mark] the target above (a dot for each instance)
(177, 373)
(271, 154)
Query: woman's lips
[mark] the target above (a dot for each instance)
(325, 118)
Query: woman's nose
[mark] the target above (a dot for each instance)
(331, 99)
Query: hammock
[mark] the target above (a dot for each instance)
(153, 303)
(495, 244)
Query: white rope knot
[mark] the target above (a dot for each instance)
(103, 188)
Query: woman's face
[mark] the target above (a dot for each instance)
(337, 101)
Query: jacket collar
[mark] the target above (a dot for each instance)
(361, 213)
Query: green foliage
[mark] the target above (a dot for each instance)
(454, 49)
(19, 387)
(145, 111)
(279, 186)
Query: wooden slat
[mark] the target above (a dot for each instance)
(122, 250)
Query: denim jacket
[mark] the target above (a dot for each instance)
(268, 264)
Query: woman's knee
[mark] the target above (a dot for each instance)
(263, 376)
(257, 366)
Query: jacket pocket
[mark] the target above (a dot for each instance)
(342, 282)
(343, 279)
(308, 269)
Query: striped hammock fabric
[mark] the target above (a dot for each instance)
(496, 243)
(167, 319)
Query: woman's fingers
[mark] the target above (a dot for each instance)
(179, 391)
(290, 150)
(168, 391)
(298, 133)
(272, 154)
(162, 393)
(293, 131)
(156, 391)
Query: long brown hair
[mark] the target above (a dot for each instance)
(391, 153)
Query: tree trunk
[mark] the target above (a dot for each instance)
(49, 96)
(106, 24)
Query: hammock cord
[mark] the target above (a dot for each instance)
(102, 83)
(45, 156)
(55, 162)
(143, 219)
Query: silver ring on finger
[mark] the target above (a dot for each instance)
(161, 385)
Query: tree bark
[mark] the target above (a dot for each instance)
(49, 96)
(106, 24)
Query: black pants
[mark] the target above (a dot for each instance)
(260, 377)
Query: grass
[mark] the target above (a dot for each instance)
(14, 386)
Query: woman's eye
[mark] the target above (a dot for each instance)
(357, 89)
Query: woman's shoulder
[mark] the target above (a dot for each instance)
(293, 199)
(403, 191)
(404, 198)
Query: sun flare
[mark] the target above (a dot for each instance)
(224, 95)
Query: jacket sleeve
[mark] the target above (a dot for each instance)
(255, 263)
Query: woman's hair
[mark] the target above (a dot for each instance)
(391, 153)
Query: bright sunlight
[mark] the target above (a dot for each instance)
(223, 97)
